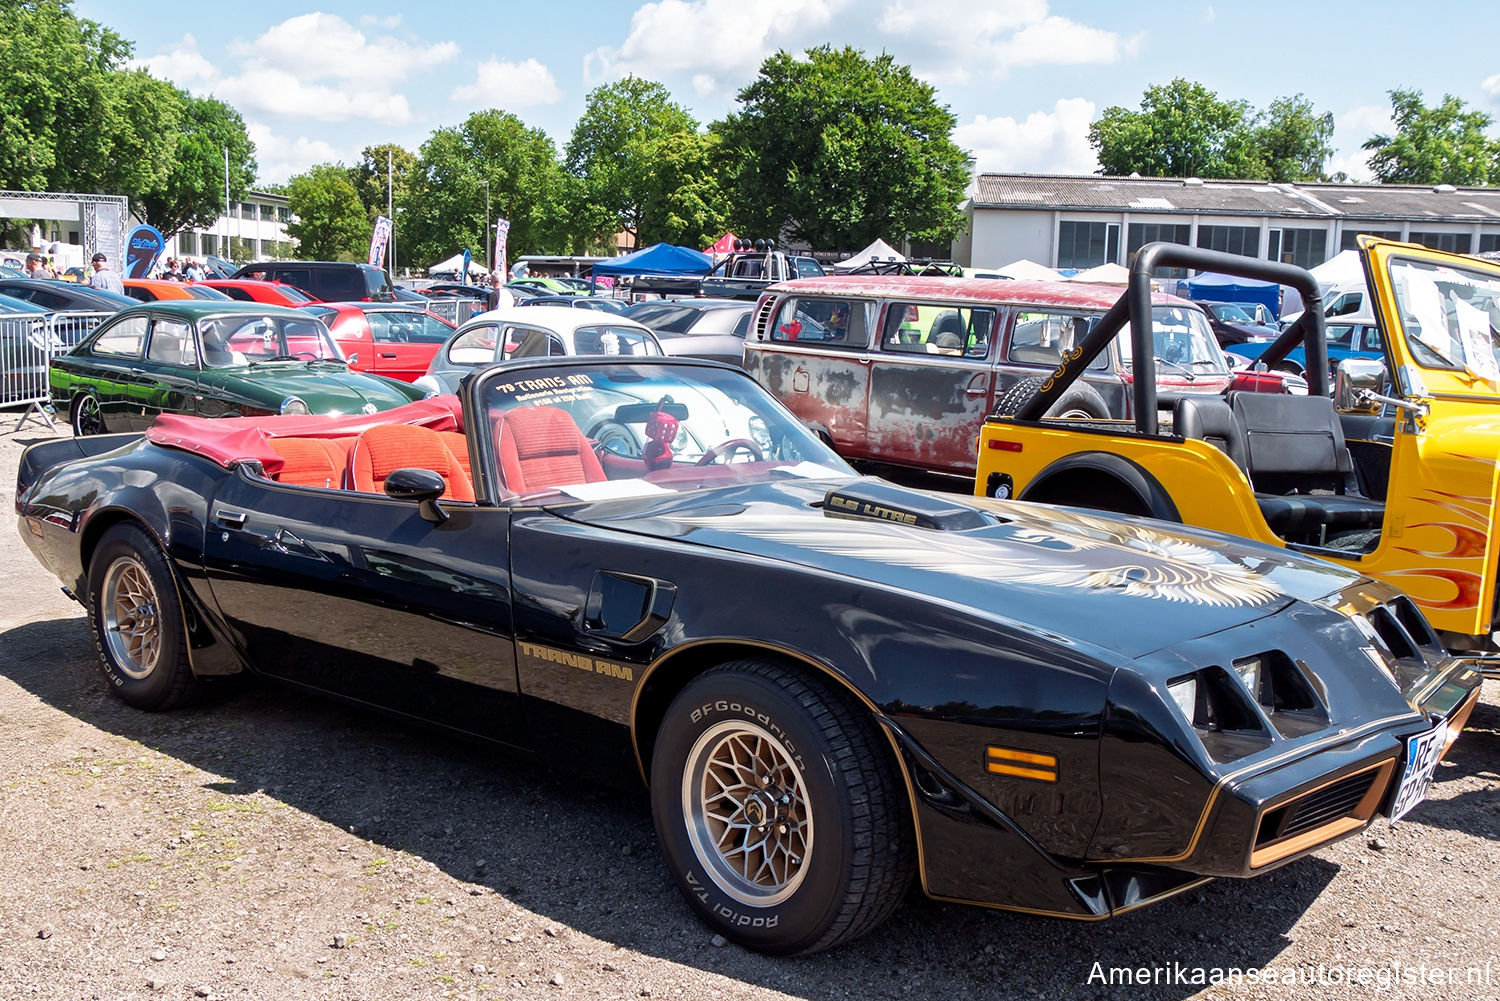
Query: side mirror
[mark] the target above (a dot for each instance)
(420, 485)
(1353, 378)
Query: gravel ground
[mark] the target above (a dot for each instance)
(266, 844)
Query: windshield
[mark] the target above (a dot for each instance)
(1449, 316)
(1230, 313)
(247, 339)
(636, 428)
(1183, 339)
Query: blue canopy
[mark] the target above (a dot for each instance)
(657, 259)
(1212, 287)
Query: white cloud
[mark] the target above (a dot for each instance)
(371, 20)
(721, 43)
(1054, 142)
(325, 46)
(955, 41)
(311, 66)
(279, 158)
(510, 85)
(1209, 16)
(1350, 129)
(1491, 87)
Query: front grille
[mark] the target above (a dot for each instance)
(1320, 815)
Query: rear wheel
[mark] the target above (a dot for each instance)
(778, 809)
(137, 622)
(86, 417)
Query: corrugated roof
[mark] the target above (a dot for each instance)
(1254, 198)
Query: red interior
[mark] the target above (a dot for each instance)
(227, 440)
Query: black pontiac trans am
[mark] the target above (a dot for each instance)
(830, 684)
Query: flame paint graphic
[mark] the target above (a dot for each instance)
(1467, 543)
(1465, 586)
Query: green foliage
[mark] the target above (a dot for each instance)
(841, 149)
(1441, 145)
(1293, 141)
(1183, 129)
(331, 224)
(611, 154)
(682, 200)
(191, 193)
(57, 69)
(369, 177)
(446, 201)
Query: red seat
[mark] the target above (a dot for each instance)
(459, 446)
(310, 462)
(381, 449)
(540, 448)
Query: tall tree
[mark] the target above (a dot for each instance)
(446, 202)
(1183, 129)
(191, 194)
(369, 176)
(1445, 144)
(840, 149)
(682, 199)
(610, 151)
(331, 224)
(1293, 141)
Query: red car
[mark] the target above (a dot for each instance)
(248, 290)
(396, 340)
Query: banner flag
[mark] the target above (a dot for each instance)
(142, 248)
(502, 230)
(378, 239)
(463, 276)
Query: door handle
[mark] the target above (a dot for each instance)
(234, 519)
(384, 355)
(975, 394)
(137, 371)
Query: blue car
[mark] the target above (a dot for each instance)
(1348, 337)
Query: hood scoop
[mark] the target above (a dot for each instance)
(875, 500)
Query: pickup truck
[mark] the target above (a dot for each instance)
(747, 275)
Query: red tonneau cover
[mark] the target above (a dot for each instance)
(227, 440)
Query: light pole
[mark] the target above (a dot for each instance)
(488, 264)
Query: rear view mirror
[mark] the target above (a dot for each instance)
(636, 413)
(1353, 377)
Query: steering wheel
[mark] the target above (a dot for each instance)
(733, 444)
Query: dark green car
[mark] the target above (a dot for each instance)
(211, 359)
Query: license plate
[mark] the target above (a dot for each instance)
(1422, 754)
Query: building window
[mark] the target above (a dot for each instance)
(1489, 243)
(210, 245)
(1350, 239)
(268, 212)
(1083, 245)
(187, 243)
(283, 214)
(247, 211)
(1142, 233)
(1453, 243)
(1242, 240)
(1306, 248)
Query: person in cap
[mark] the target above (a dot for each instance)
(35, 268)
(104, 278)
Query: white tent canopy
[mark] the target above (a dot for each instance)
(1024, 270)
(454, 265)
(877, 251)
(1340, 268)
(1104, 274)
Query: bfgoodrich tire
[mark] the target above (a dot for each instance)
(779, 809)
(137, 622)
(1080, 400)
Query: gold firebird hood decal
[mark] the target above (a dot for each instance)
(1095, 554)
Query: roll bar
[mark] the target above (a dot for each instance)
(1135, 306)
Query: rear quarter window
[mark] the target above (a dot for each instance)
(123, 339)
(841, 324)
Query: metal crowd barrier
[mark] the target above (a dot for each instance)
(28, 342)
(455, 310)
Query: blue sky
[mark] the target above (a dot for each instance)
(317, 82)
